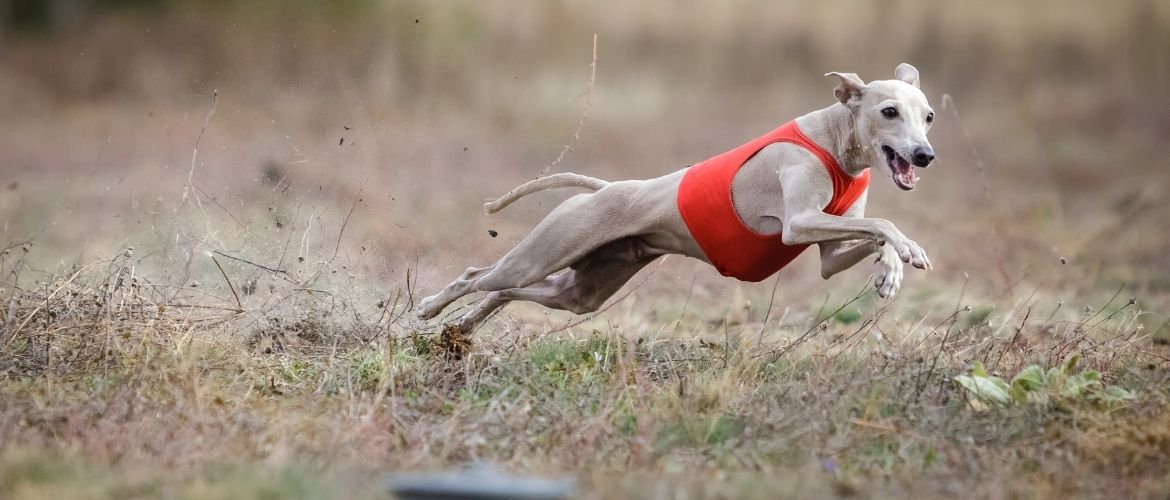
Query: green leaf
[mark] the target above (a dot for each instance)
(1070, 363)
(1031, 381)
(1018, 394)
(1077, 384)
(1092, 375)
(978, 370)
(992, 389)
(1031, 378)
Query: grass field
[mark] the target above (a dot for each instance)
(216, 220)
(115, 388)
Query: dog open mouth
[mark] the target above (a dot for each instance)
(902, 170)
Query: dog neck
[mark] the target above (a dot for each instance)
(833, 128)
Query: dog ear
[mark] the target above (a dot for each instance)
(907, 73)
(849, 89)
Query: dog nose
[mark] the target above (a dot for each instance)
(923, 156)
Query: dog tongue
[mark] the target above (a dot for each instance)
(908, 177)
(903, 171)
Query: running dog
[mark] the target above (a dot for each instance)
(748, 212)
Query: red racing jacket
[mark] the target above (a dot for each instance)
(704, 200)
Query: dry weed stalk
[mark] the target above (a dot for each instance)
(588, 94)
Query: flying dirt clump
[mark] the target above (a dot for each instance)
(454, 342)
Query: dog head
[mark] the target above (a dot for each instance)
(891, 119)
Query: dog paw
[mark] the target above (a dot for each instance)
(426, 309)
(918, 257)
(911, 253)
(888, 275)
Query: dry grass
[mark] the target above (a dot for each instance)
(166, 395)
(257, 340)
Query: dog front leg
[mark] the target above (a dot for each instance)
(811, 226)
(837, 256)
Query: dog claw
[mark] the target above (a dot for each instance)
(904, 254)
(915, 256)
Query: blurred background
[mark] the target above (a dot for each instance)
(362, 136)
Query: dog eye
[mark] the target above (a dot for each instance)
(930, 118)
(890, 112)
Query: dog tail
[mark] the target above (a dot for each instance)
(562, 180)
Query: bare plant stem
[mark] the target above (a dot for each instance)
(229, 283)
(768, 311)
(808, 334)
(195, 150)
(588, 94)
(352, 206)
(1013, 341)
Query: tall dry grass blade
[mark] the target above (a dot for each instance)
(588, 94)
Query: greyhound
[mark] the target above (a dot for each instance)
(600, 240)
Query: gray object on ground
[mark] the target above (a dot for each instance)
(477, 482)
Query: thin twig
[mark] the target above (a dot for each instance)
(288, 241)
(1080, 331)
(1013, 341)
(220, 206)
(768, 311)
(261, 266)
(687, 302)
(229, 283)
(780, 351)
(952, 319)
(195, 150)
(588, 94)
(29, 318)
(866, 326)
(344, 223)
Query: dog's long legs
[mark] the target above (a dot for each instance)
(837, 256)
(575, 228)
(805, 222)
(580, 290)
(817, 227)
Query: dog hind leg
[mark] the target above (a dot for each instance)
(582, 289)
(574, 229)
(433, 305)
